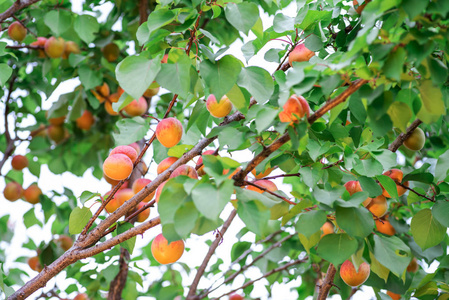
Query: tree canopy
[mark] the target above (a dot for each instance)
(336, 162)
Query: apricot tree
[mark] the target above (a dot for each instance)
(288, 115)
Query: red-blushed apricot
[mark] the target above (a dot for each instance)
(70, 47)
(413, 265)
(86, 120)
(56, 133)
(81, 297)
(218, 109)
(267, 184)
(111, 52)
(54, 47)
(32, 193)
(135, 146)
(117, 166)
(354, 187)
(19, 162)
(55, 121)
(35, 264)
(150, 92)
(65, 242)
(416, 140)
(111, 181)
(113, 98)
(136, 107)
(385, 227)
(164, 252)
(300, 53)
(165, 164)
(327, 228)
(109, 109)
(169, 132)
(101, 92)
(144, 214)
(397, 176)
(124, 195)
(235, 297)
(41, 43)
(13, 191)
(139, 184)
(127, 150)
(294, 109)
(352, 277)
(262, 174)
(378, 206)
(185, 170)
(393, 295)
(159, 191)
(200, 170)
(112, 205)
(17, 31)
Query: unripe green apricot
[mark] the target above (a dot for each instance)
(416, 140)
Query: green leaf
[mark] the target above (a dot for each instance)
(254, 215)
(393, 64)
(136, 73)
(242, 16)
(389, 185)
(370, 185)
(172, 197)
(368, 167)
(176, 77)
(440, 211)
(79, 217)
(283, 23)
(392, 253)
(221, 76)
(58, 21)
(5, 73)
(426, 230)
(310, 222)
(442, 166)
(185, 219)
(130, 130)
(258, 82)
(400, 113)
(328, 197)
(89, 78)
(356, 221)
(86, 26)
(336, 248)
(379, 269)
(179, 150)
(130, 243)
(309, 242)
(160, 18)
(265, 117)
(238, 99)
(210, 200)
(86, 195)
(432, 100)
(29, 219)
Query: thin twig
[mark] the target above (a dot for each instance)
(415, 192)
(268, 191)
(18, 5)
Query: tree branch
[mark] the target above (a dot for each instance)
(268, 191)
(143, 11)
(202, 268)
(9, 140)
(403, 136)
(18, 5)
(117, 285)
(328, 282)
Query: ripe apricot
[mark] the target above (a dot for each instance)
(164, 252)
(300, 53)
(354, 187)
(41, 43)
(416, 140)
(139, 184)
(127, 150)
(327, 228)
(58, 121)
(413, 265)
(262, 174)
(113, 98)
(235, 297)
(267, 184)
(70, 47)
(185, 170)
(101, 92)
(19, 162)
(81, 297)
(111, 52)
(393, 295)
(65, 242)
(109, 109)
(124, 195)
(165, 164)
(144, 214)
(112, 205)
(56, 133)
(35, 264)
(352, 277)
(86, 120)
(17, 31)
(397, 176)
(135, 146)
(218, 109)
(378, 206)
(54, 47)
(13, 191)
(32, 193)
(150, 92)
(136, 107)
(169, 132)
(385, 227)
(294, 109)
(117, 166)
(200, 170)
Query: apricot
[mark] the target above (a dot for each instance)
(165, 164)
(378, 206)
(13, 191)
(385, 227)
(56, 133)
(159, 191)
(150, 92)
(413, 265)
(235, 297)
(101, 92)
(169, 132)
(35, 264)
(81, 297)
(32, 193)
(352, 277)
(144, 214)
(111, 52)
(294, 109)
(124, 195)
(19, 162)
(17, 31)
(127, 150)
(118, 166)
(200, 170)
(393, 295)
(139, 184)
(353, 187)
(327, 228)
(218, 109)
(86, 120)
(112, 205)
(166, 253)
(70, 47)
(58, 121)
(267, 184)
(109, 109)
(136, 107)
(262, 174)
(65, 242)
(416, 140)
(111, 181)
(135, 146)
(114, 97)
(54, 47)
(300, 53)
(185, 170)
(41, 43)
(397, 176)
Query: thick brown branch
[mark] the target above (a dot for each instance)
(117, 285)
(403, 136)
(18, 5)
(328, 282)
(202, 268)
(143, 11)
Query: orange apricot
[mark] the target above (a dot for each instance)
(17, 31)
(35, 264)
(86, 120)
(327, 228)
(117, 166)
(299, 54)
(267, 184)
(127, 150)
(393, 296)
(352, 277)
(218, 109)
(144, 214)
(164, 252)
(185, 170)
(294, 109)
(136, 107)
(385, 227)
(32, 193)
(169, 132)
(397, 176)
(13, 191)
(139, 184)
(19, 162)
(65, 242)
(111, 52)
(159, 191)
(56, 133)
(378, 206)
(165, 164)
(109, 109)
(413, 265)
(54, 47)
(262, 174)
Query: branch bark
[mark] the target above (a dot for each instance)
(117, 285)
(18, 5)
(328, 282)
(403, 136)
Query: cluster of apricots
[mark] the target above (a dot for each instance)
(57, 132)
(294, 109)
(120, 162)
(13, 190)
